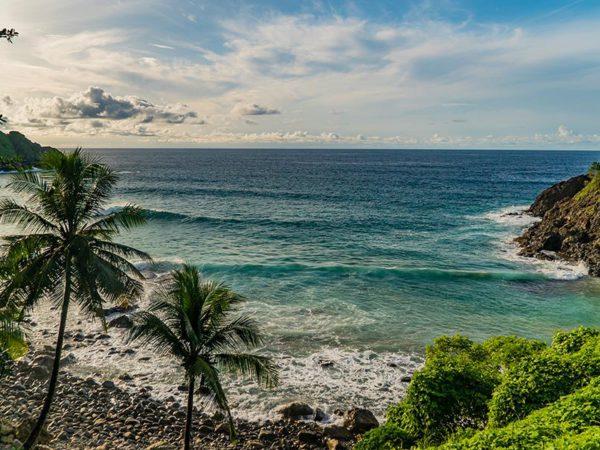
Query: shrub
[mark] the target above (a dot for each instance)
(571, 422)
(531, 384)
(571, 341)
(571, 361)
(386, 437)
(594, 169)
(506, 350)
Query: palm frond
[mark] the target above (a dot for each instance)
(150, 330)
(260, 368)
(14, 213)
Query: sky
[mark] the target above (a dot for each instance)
(282, 73)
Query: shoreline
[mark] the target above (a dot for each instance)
(96, 413)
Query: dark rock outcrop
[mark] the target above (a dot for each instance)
(570, 224)
(554, 194)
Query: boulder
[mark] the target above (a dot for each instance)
(310, 438)
(337, 432)
(360, 420)
(554, 194)
(295, 411)
(121, 322)
(39, 373)
(44, 361)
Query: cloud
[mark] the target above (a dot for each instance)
(253, 110)
(166, 47)
(96, 103)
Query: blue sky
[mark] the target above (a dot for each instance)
(314, 73)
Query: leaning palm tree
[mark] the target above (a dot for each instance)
(67, 252)
(194, 321)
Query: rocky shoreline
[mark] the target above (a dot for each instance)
(94, 414)
(89, 414)
(569, 228)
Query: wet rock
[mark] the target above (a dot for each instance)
(360, 420)
(295, 411)
(310, 438)
(121, 322)
(337, 432)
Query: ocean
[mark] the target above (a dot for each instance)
(352, 260)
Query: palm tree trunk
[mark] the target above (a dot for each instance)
(187, 440)
(35, 432)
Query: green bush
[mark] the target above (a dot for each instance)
(594, 169)
(571, 341)
(531, 384)
(386, 437)
(571, 361)
(571, 422)
(465, 387)
(507, 350)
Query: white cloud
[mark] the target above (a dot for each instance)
(253, 109)
(423, 82)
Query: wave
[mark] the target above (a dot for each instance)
(513, 216)
(516, 219)
(375, 272)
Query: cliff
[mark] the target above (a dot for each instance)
(570, 224)
(18, 151)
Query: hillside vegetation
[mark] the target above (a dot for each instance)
(507, 392)
(16, 151)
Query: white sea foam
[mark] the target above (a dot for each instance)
(515, 220)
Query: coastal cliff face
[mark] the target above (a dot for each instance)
(570, 225)
(16, 150)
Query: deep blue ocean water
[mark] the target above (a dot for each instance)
(352, 260)
(377, 249)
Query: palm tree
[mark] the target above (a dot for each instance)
(68, 250)
(195, 323)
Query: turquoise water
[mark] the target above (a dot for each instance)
(358, 249)
(356, 258)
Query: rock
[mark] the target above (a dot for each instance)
(108, 385)
(334, 444)
(310, 437)
(69, 359)
(266, 435)
(337, 432)
(44, 361)
(294, 410)
(406, 379)
(360, 420)
(222, 428)
(39, 373)
(125, 377)
(320, 415)
(160, 445)
(570, 224)
(118, 310)
(121, 322)
(554, 194)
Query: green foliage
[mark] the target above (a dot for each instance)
(571, 341)
(15, 145)
(506, 350)
(594, 169)
(467, 390)
(530, 385)
(568, 364)
(386, 437)
(571, 422)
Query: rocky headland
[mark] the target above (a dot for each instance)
(569, 228)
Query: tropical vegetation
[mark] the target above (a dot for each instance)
(506, 392)
(195, 322)
(67, 252)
